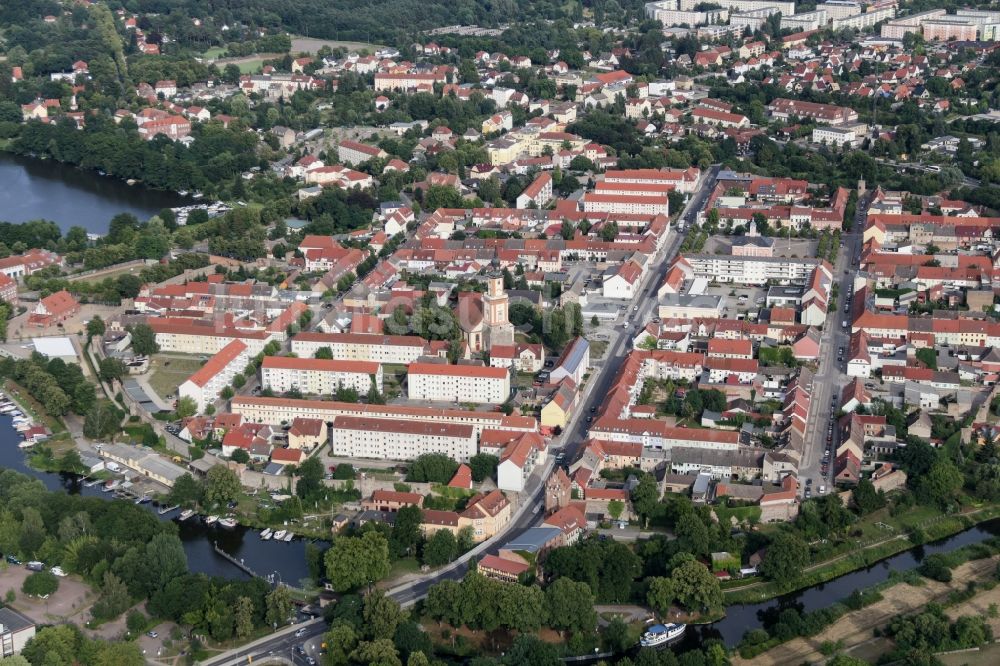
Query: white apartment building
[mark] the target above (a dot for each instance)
(751, 270)
(370, 347)
(396, 439)
(752, 19)
(260, 409)
(654, 434)
(174, 334)
(898, 28)
(319, 376)
(205, 385)
(866, 20)
(457, 383)
(786, 8)
(353, 152)
(594, 202)
(668, 14)
(839, 9)
(835, 136)
(804, 21)
(684, 181)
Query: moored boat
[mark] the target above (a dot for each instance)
(211, 519)
(661, 634)
(279, 535)
(288, 537)
(228, 521)
(186, 513)
(266, 534)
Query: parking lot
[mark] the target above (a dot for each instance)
(739, 302)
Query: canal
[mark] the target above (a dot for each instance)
(36, 189)
(286, 560)
(741, 618)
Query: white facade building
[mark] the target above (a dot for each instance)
(319, 376)
(395, 439)
(457, 383)
(371, 347)
(205, 385)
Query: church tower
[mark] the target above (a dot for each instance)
(499, 330)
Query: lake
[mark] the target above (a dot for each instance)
(286, 560)
(36, 189)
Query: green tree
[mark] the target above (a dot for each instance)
(222, 485)
(432, 468)
(54, 646)
(405, 531)
(695, 587)
(942, 482)
(570, 606)
(114, 600)
(785, 558)
(645, 497)
(278, 606)
(483, 466)
(379, 652)
(310, 485)
(866, 498)
(143, 340)
(352, 562)
(95, 327)
(324, 353)
(186, 406)
(240, 456)
(111, 369)
(440, 549)
(103, 420)
(382, 615)
(340, 643)
(661, 594)
(615, 509)
(40, 584)
(187, 491)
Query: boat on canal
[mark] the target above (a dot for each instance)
(661, 634)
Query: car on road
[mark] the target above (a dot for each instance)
(822, 490)
(635, 308)
(58, 571)
(12, 560)
(152, 634)
(300, 633)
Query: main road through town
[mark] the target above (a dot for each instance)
(639, 311)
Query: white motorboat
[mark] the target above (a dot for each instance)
(111, 485)
(26, 444)
(211, 519)
(266, 534)
(164, 510)
(661, 634)
(288, 537)
(228, 522)
(185, 514)
(279, 535)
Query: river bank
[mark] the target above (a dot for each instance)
(854, 633)
(36, 189)
(743, 617)
(939, 527)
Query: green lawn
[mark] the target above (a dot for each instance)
(213, 53)
(169, 372)
(251, 66)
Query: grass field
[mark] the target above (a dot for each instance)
(169, 372)
(312, 45)
(251, 66)
(213, 53)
